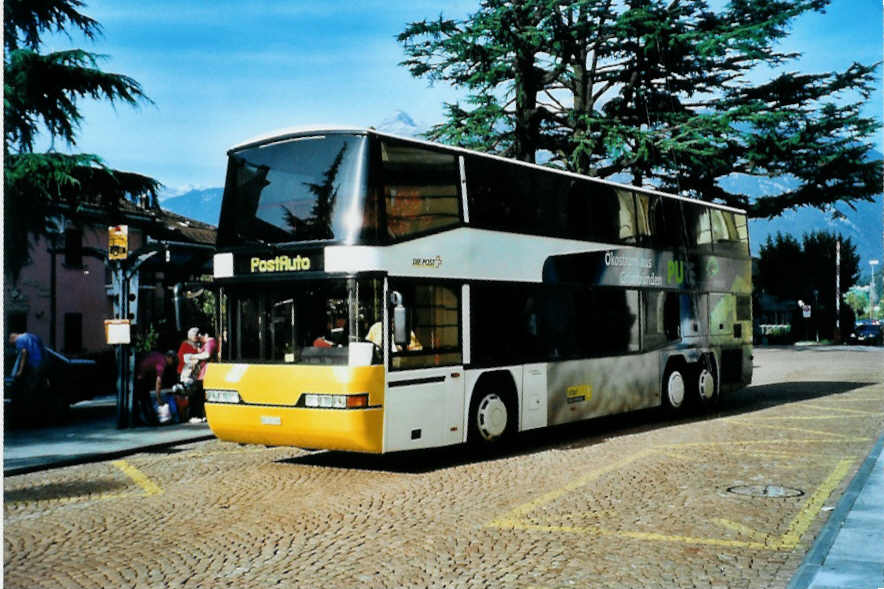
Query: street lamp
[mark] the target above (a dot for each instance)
(872, 263)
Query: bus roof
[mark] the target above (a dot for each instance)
(306, 131)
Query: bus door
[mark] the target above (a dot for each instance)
(424, 401)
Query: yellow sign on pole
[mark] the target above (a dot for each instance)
(117, 242)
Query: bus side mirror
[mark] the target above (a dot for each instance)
(400, 321)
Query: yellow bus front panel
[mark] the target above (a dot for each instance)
(270, 410)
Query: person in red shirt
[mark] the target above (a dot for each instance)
(186, 362)
(208, 353)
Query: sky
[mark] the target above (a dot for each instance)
(222, 72)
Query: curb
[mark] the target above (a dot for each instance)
(101, 456)
(814, 559)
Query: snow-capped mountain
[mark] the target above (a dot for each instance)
(400, 123)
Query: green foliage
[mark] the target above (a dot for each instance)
(146, 340)
(26, 20)
(858, 299)
(792, 270)
(206, 302)
(806, 271)
(40, 97)
(661, 91)
(41, 92)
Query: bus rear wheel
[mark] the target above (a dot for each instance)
(492, 419)
(674, 389)
(705, 386)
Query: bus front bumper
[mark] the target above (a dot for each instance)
(268, 405)
(357, 430)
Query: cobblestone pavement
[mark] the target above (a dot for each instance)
(636, 501)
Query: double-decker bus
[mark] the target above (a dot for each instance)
(379, 294)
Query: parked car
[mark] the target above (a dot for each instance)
(65, 381)
(867, 335)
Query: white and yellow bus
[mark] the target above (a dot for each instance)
(381, 294)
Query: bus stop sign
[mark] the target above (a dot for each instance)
(117, 242)
(805, 311)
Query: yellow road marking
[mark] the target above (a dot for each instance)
(518, 525)
(514, 519)
(806, 516)
(780, 428)
(547, 498)
(149, 487)
(745, 530)
(844, 410)
(801, 522)
(773, 454)
(814, 417)
(735, 443)
(681, 456)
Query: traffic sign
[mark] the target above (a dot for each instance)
(117, 331)
(117, 242)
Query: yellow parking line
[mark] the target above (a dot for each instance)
(149, 487)
(759, 540)
(745, 530)
(781, 428)
(737, 443)
(814, 417)
(844, 410)
(772, 454)
(806, 516)
(518, 525)
(547, 498)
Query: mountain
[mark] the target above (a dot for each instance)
(863, 226)
(862, 222)
(401, 123)
(202, 204)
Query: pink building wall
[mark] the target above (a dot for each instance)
(78, 290)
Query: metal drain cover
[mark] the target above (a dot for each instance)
(765, 491)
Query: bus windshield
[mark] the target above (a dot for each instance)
(303, 322)
(301, 189)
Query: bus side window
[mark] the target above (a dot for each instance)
(420, 189)
(661, 319)
(698, 231)
(672, 316)
(435, 325)
(668, 227)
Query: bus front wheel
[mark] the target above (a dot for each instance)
(492, 419)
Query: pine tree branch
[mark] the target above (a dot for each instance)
(42, 90)
(24, 21)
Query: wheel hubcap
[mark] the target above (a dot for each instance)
(706, 384)
(675, 389)
(491, 417)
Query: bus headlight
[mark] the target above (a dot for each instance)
(335, 401)
(221, 396)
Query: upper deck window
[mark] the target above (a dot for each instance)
(420, 189)
(301, 189)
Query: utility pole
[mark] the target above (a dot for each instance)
(125, 273)
(872, 263)
(837, 334)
